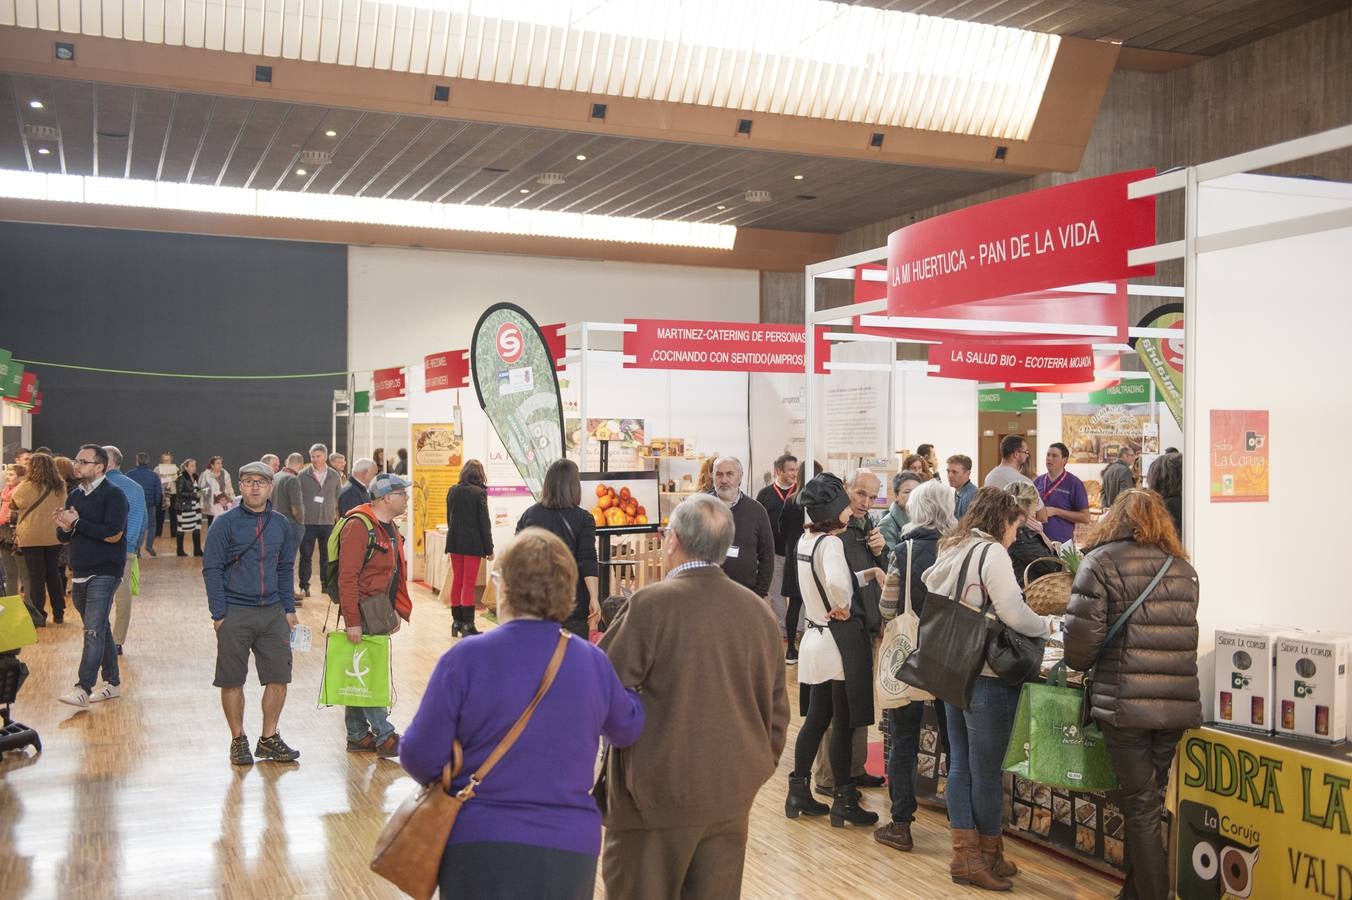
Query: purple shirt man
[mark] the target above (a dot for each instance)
(1063, 495)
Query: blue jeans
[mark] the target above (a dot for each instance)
(977, 740)
(93, 599)
(148, 539)
(361, 719)
(903, 725)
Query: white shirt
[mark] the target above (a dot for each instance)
(92, 486)
(168, 473)
(818, 656)
(320, 475)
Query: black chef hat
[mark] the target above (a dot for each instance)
(823, 497)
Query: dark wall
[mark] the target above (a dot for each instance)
(135, 300)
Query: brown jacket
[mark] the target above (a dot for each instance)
(1147, 677)
(706, 655)
(36, 526)
(357, 580)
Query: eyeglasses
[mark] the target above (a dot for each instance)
(83, 462)
(253, 482)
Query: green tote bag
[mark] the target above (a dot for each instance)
(1050, 746)
(356, 674)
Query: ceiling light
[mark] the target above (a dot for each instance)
(43, 151)
(525, 190)
(798, 178)
(722, 207)
(209, 198)
(330, 133)
(35, 104)
(581, 157)
(302, 172)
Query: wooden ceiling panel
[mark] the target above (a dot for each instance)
(228, 118)
(154, 113)
(192, 113)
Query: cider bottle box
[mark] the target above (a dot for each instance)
(1246, 657)
(1312, 685)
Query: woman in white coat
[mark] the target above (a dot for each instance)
(835, 657)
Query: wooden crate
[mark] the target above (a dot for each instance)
(636, 561)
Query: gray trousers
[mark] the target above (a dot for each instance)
(821, 771)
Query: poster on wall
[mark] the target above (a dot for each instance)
(438, 451)
(1163, 358)
(1095, 434)
(518, 389)
(1239, 456)
(626, 437)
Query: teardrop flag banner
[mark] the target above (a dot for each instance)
(1163, 357)
(518, 389)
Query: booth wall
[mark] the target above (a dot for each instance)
(938, 411)
(149, 301)
(1268, 332)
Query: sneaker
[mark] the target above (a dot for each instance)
(367, 744)
(239, 751)
(389, 747)
(276, 749)
(791, 657)
(76, 697)
(107, 692)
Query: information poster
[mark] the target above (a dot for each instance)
(1260, 819)
(1239, 456)
(438, 452)
(1095, 434)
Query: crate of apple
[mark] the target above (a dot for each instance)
(617, 509)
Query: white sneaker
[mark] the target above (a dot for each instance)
(75, 697)
(107, 692)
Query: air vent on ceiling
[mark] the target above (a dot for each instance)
(549, 179)
(113, 135)
(805, 196)
(315, 157)
(494, 169)
(757, 196)
(42, 132)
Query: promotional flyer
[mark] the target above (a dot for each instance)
(438, 452)
(1239, 456)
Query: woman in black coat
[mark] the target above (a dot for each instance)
(469, 541)
(560, 511)
(1031, 543)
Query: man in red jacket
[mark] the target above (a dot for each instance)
(371, 567)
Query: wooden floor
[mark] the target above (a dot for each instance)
(135, 797)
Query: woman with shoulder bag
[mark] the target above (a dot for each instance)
(532, 828)
(34, 502)
(930, 509)
(188, 508)
(1145, 691)
(836, 655)
(217, 493)
(9, 559)
(560, 512)
(979, 735)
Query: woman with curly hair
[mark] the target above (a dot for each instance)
(34, 502)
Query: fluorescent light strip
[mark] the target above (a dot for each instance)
(807, 58)
(365, 210)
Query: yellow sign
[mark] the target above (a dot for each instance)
(1256, 819)
(437, 455)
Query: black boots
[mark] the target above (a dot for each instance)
(846, 808)
(463, 626)
(800, 800)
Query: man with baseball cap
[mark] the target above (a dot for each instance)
(248, 567)
(373, 595)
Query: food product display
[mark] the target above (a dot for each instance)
(1312, 685)
(1245, 661)
(617, 510)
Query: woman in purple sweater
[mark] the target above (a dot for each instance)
(532, 828)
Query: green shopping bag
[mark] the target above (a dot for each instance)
(1050, 746)
(16, 624)
(356, 674)
(135, 581)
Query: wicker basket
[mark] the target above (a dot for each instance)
(1050, 594)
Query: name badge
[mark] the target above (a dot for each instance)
(319, 499)
(732, 552)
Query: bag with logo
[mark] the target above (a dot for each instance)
(356, 674)
(1050, 746)
(16, 625)
(898, 642)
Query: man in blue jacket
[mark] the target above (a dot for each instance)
(136, 525)
(248, 568)
(150, 483)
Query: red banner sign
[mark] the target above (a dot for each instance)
(557, 343)
(388, 383)
(721, 346)
(446, 371)
(1012, 362)
(37, 404)
(28, 388)
(1071, 234)
(1105, 363)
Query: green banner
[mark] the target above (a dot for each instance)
(518, 389)
(361, 402)
(15, 376)
(1135, 390)
(4, 367)
(997, 400)
(1163, 358)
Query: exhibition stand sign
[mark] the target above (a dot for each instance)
(982, 361)
(438, 451)
(1239, 456)
(721, 346)
(388, 384)
(1071, 234)
(28, 388)
(1133, 391)
(13, 379)
(1163, 357)
(1261, 819)
(446, 371)
(996, 400)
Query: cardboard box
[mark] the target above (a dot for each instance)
(1312, 684)
(1246, 657)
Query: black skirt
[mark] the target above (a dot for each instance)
(856, 657)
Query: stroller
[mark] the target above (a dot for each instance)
(13, 673)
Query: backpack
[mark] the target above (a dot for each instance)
(330, 577)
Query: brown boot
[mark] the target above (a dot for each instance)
(969, 867)
(993, 851)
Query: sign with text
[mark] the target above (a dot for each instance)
(1135, 390)
(1239, 456)
(557, 343)
(13, 379)
(1012, 362)
(1163, 357)
(1071, 234)
(1102, 310)
(1104, 363)
(387, 384)
(996, 400)
(720, 346)
(1260, 819)
(437, 454)
(28, 388)
(446, 371)
(37, 404)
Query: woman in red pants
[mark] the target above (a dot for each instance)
(469, 540)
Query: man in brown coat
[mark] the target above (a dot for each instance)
(706, 655)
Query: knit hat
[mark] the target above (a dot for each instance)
(385, 484)
(261, 469)
(823, 497)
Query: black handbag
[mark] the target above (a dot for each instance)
(1014, 658)
(950, 644)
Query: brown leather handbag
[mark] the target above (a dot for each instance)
(409, 850)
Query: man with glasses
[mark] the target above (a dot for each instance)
(248, 566)
(1014, 457)
(94, 524)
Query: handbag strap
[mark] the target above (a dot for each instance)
(980, 581)
(509, 739)
(910, 547)
(821, 589)
(1122, 619)
(45, 494)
